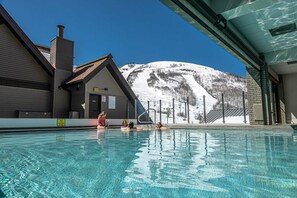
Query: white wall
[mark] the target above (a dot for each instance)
(51, 123)
(290, 95)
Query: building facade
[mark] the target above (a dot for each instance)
(41, 82)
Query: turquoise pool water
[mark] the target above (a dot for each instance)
(176, 163)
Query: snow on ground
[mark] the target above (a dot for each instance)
(183, 120)
(200, 92)
(141, 88)
(232, 120)
(126, 70)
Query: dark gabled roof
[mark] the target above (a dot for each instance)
(117, 75)
(85, 72)
(27, 43)
(43, 48)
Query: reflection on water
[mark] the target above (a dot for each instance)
(176, 160)
(175, 163)
(220, 163)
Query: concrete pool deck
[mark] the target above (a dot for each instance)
(286, 127)
(18, 125)
(230, 126)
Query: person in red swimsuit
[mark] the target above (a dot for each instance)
(101, 119)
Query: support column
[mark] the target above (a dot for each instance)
(173, 109)
(148, 110)
(161, 111)
(188, 108)
(223, 108)
(204, 109)
(243, 106)
(135, 109)
(265, 95)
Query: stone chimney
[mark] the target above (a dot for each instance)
(61, 57)
(61, 51)
(60, 31)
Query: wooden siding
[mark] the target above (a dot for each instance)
(15, 99)
(24, 84)
(104, 79)
(16, 62)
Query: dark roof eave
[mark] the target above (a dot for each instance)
(108, 56)
(96, 71)
(121, 80)
(66, 85)
(42, 47)
(26, 42)
(112, 68)
(86, 78)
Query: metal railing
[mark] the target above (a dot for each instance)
(205, 110)
(146, 112)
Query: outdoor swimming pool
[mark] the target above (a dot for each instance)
(175, 163)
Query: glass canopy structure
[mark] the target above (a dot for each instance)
(262, 34)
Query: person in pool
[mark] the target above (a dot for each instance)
(102, 120)
(131, 127)
(125, 123)
(159, 126)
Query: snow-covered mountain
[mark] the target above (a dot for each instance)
(165, 80)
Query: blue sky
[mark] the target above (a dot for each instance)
(133, 31)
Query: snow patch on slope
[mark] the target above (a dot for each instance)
(165, 80)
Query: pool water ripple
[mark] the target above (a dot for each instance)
(175, 163)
